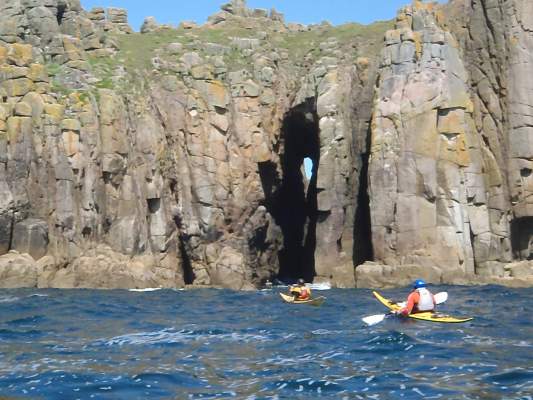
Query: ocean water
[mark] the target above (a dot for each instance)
(218, 344)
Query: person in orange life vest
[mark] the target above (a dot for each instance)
(300, 291)
(420, 299)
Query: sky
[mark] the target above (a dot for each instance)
(303, 11)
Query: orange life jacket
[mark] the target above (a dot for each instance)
(303, 292)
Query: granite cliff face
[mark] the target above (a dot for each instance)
(174, 156)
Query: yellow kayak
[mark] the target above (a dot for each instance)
(424, 316)
(314, 302)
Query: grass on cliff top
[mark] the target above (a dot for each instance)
(368, 37)
(137, 50)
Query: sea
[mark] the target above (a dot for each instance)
(221, 344)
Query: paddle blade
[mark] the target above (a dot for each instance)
(374, 319)
(441, 297)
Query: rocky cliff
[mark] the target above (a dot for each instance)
(174, 156)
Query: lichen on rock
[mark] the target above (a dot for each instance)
(174, 156)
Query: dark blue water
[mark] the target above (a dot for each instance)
(210, 344)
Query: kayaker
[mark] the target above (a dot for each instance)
(300, 291)
(420, 299)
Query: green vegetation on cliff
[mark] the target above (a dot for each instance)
(138, 50)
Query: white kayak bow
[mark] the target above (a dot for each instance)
(440, 298)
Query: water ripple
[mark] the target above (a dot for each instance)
(216, 344)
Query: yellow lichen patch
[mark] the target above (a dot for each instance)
(78, 100)
(362, 62)
(420, 5)
(20, 54)
(55, 111)
(453, 148)
(72, 48)
(23, 109)
(217, 94)
(451, 121)
(13, 72)
(17, 87)
(3, 55)
(463, 156)
(417, 36)
(16, 127)
(440, 18)
(38, 73)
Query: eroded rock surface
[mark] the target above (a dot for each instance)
(174, 156)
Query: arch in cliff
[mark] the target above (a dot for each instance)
(294, 203)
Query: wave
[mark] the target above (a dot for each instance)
(170, 336)
(8, 299)
(320, 286)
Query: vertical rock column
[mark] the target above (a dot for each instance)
(6, 198)
(428, 177)
(520, 102)
(336, 182)
(494, 45)
(20, 109)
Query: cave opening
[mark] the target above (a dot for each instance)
(186, 265)
(295, 205)
(362, 228)
(522, 238)
(61, 9)
(362, 243)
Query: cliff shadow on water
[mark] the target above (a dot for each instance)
(293, 203)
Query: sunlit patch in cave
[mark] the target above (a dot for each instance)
(308, 168)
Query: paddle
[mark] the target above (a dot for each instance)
(440, 298)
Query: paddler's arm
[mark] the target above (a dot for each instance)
(411, 301)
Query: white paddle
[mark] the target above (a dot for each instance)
(440, 298)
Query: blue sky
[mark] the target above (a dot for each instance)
(304, 11)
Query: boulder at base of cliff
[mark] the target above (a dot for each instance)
(18, 270)
(342, 276)
(228, 271)
(371, 275)
(520, 269)
(105, 269)
(31, 236)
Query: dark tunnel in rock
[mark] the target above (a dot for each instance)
(294, 205)
(522, 238)
(362, 227)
